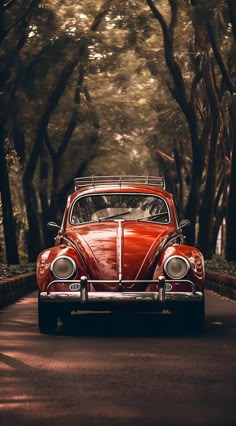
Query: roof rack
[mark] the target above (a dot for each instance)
(118, 180)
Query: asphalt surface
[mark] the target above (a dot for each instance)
(105, 370)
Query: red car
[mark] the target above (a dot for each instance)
(120, 247)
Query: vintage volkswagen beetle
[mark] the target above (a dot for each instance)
(120, 247)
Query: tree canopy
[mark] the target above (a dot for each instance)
(116, 87)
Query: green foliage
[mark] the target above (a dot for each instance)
(7, 271)
(118, 78)
(219, 264)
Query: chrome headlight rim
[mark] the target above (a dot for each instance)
(69, 276)
(180, 277)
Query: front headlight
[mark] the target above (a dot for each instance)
(176, 267)
(63, 267)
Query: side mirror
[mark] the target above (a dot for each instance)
(184, 223)
(52, 226)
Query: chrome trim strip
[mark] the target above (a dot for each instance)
(72, 244)
(168, 240)
(64, 282)
(119, 250)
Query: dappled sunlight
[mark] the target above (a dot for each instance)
(111, 410)
(26, 402)
(14, 325)
(28, 301)
(16, 340)
(12, 359)
(72, 17)
(21, 361)
(103, 87)
(4, 367)
(17, 323)
(69, 375)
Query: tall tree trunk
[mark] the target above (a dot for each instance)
(33, 236)
(179, 93)
(48, 238)
(232, 15)
(192, 206)
(206, 215)
(49, 210)
(220, 207)
(7, 211)
(231, 222)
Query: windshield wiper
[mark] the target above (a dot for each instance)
(154, 216)
(113, 216)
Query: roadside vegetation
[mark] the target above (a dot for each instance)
(7, 271)
(219, 264)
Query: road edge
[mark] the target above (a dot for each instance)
(221, 283)
(13, 288)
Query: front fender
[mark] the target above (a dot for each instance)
(46, 257)
(193, 255)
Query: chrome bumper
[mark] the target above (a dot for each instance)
(120, 297)
(80, 293)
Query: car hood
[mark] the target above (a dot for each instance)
(119, 249)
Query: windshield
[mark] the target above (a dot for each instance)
(121, 206)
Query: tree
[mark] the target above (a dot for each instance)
(93, 96)
(8, 88)
(230, 236)
(202, 102)
(231, 223)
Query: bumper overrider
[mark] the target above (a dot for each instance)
(81, 296)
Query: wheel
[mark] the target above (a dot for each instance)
(47, 317)
(196, 317)
(190, 317)
(65, 318)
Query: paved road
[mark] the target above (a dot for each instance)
(113, 374)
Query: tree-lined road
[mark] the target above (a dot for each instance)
(101, 371)
(107, 87)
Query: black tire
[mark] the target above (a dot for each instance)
(47, 318)
(65, 319)
(190, 317)
(196, 317)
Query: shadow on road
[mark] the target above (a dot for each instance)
(122, 325)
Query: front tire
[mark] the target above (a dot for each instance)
(196, 318)
(190, 317)
(47, 317)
